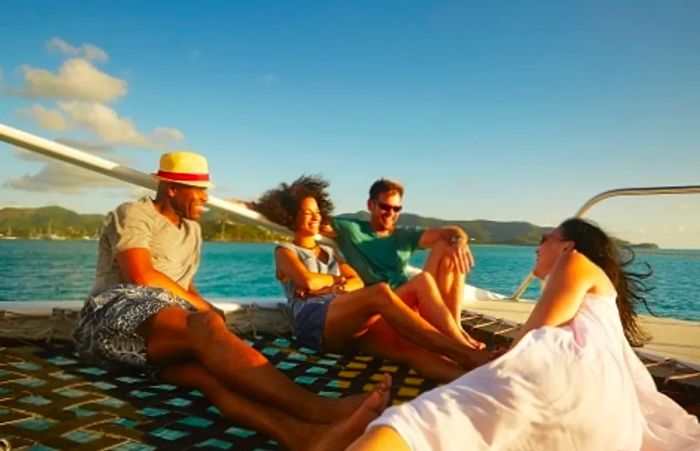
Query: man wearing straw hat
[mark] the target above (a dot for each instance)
(144, 311)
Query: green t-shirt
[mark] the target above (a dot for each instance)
(377, 259)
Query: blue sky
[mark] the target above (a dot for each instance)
(485, 110)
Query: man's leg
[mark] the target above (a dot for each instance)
(422, 292)
(174, 335)
(291, 432)
(449, 279)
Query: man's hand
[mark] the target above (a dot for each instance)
(328, 231)
(460, 254)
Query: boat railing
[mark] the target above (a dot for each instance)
(641, 191)
(117, 171)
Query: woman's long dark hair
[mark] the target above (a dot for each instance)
(595, 244)
(281, 204)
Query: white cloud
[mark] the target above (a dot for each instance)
(87, 146)
(163, 138)
(46, 118)
(81, 93)
(76, 79)
(58, 177)
(26, 155)
(104, 122)
(87, 51)
(113, 129)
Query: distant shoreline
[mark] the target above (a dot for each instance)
(56, 223)
(72, 239)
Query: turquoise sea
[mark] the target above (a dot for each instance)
(63, 270)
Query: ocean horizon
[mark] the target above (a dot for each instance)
(36, 270)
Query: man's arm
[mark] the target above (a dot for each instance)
(135, 267)
(449, 234)
(454, 236)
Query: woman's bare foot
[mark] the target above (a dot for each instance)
(471, 341)
(341, 434)
(473, 358)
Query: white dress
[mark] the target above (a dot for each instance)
(578, 386)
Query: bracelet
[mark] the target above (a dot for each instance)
(339, 285)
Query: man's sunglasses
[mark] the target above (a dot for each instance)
(387, 207)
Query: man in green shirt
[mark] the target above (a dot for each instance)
(379, 250)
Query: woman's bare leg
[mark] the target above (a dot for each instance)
(174, 335)
(382, 341)
(380, 438)
(350, 315)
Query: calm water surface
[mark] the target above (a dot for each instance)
(43, 270)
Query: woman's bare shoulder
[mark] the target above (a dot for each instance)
(581, 267)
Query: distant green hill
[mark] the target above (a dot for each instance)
(58, 222)
(48, 221)
(480, 231)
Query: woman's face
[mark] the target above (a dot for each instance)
(309, 217)
(551, 247)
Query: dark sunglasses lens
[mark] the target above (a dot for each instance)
(387, 207)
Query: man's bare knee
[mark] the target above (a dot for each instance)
(199, 322)
(170, 319)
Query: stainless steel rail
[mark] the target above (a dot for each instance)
(643, 191)
(103, 166)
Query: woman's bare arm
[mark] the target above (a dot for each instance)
(566, 287)
(289, 266)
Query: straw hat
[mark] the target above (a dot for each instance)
(186, 168)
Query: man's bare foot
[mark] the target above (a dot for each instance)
(339, 409)
(341, 434)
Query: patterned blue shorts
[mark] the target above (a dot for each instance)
(106, 332)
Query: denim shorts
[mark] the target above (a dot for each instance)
(309, 321)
